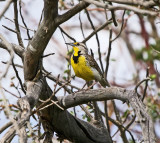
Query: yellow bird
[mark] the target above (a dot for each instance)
(84, 65)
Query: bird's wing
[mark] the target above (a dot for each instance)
(93, 64)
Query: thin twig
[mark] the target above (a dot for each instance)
(62, 86)
(131, 122)
(17, 24)
(9, 29)
(51, 77)
(97, 30)
(46, 106)
(113, 16)
(69, 67)
(74, 110)
(11, 51)
(158, 73)
(30, 128)
(17, 65)
(8, 111)
(81, 25)
(108, 55)
(121, 27)
(67, 34)
(55, 86)
(55, 102)
(98, 43)
(118, 124)
(10, 93)
(64, 39)
(20, 9)
(123, 135)
(17, 75)
(5, 8)
(106, 116)
(10, 105)
(139, 83)
(48, 55)
(146, 85)
(87, 112)
(50, 98)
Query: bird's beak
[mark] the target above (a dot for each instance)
(71, 44)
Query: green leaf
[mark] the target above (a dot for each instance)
(67, 71)
(125, 113)
(88, 119)
(128, 12)
(84, 116)
(113, 59)
(72, 112)
(70, 52)
(64, 78)
(153, 76)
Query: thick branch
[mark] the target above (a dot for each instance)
(41, 38)
(122, 7)
(34, 89)
(115, 93)
(94, 95)
(60, 121)
(62, 18)
(134, 2)
(18, 49)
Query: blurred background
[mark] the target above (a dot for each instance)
(136, 49)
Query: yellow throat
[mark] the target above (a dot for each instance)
(80, 66)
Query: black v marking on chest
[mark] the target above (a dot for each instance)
(75, 58)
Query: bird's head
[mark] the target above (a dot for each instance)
(79, 48)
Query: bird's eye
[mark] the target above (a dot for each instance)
(77, 44)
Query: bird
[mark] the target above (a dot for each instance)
(84, 65)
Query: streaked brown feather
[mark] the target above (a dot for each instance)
(91, 61)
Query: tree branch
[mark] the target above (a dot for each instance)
(11, 51)
(115, 93)
(45, 31)
(97, 30)
(5, 8)
(122, 7)
(34, 89)
(135, 2)
(62, 18)
(18, 49)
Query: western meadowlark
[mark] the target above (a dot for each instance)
(84, 65)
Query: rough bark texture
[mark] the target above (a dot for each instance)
(129, 96)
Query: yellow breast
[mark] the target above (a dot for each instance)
(81, 69)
